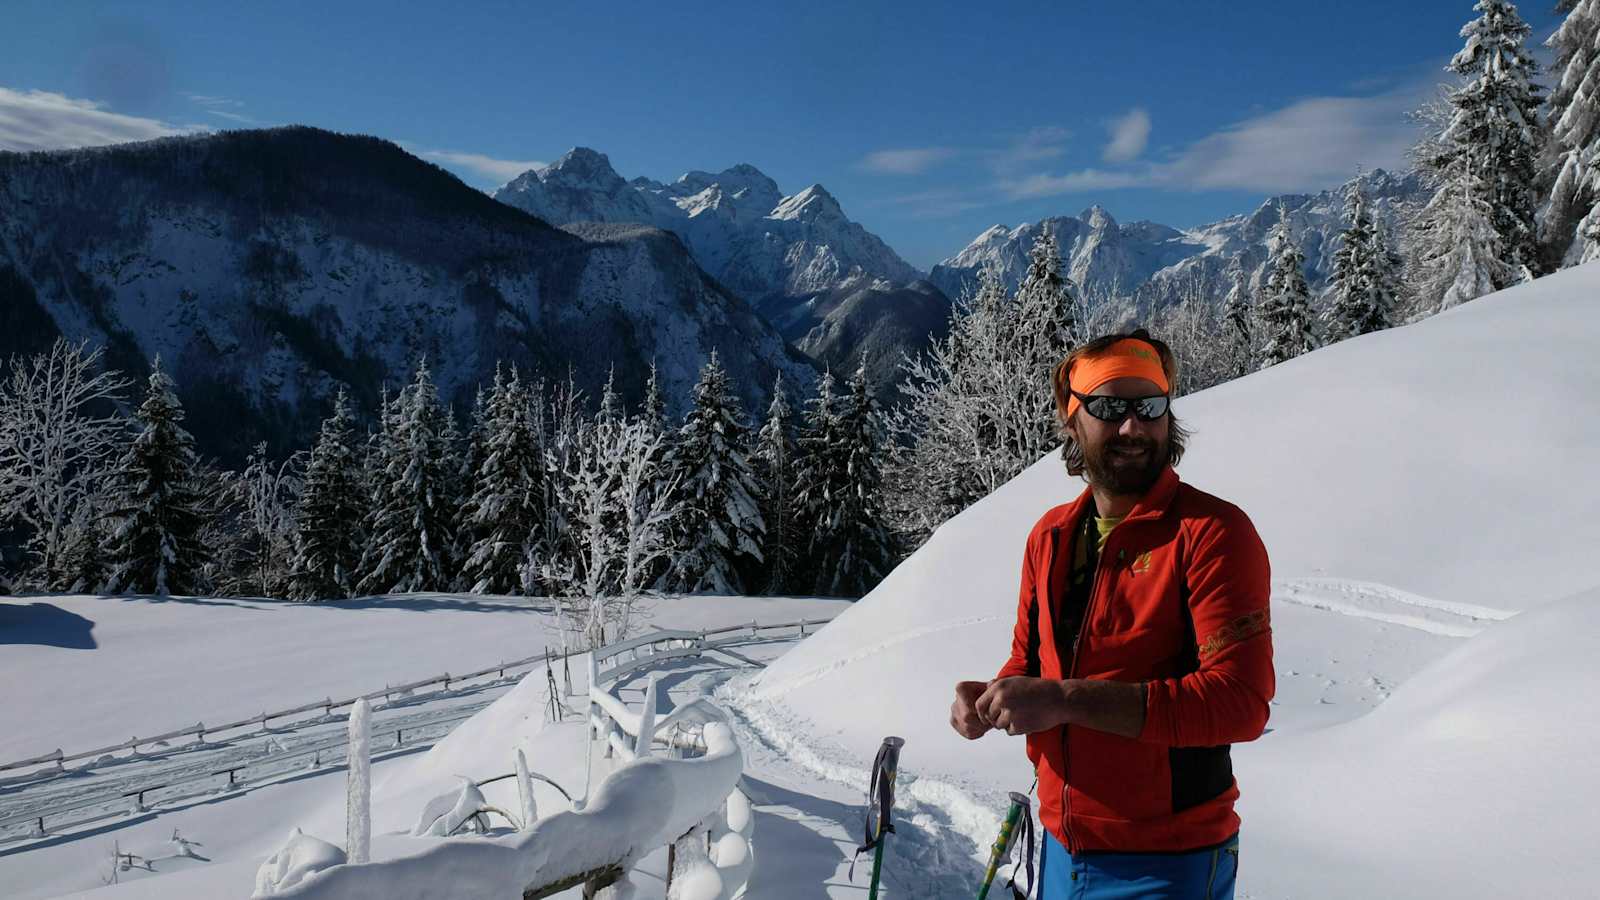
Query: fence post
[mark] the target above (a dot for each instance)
(647, 718)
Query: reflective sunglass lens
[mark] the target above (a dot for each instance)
(1152, 407)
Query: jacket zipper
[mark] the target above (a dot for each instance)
(1072, 672)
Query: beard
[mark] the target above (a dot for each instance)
(1125, 474)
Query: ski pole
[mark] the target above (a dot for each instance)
(1003, 844)
(880, 807)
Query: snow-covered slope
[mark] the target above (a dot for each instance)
(269, 267)
(1161, 264)
(1414, 487)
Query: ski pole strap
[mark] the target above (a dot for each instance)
(880, 797)
(1025, 821)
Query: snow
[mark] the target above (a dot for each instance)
(99, 669)
(301, 856)
(358, 807)
(1425, 496)
(1414, 487)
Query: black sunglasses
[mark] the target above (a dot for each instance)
(1115, 409)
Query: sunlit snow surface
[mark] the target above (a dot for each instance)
(1429, 502)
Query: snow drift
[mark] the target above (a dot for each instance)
(1449, 461)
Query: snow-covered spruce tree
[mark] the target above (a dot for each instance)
(1364, 286)
(1239, 318)
(773, 454)
(333, 502)
(1285, 312)
(409, 548)
(721, 526)
(157, 511)
(1495, 126)
(455, 491)
(81, 564)
(507, 489)
(1570, 219)
(1455, 251)
(473, 450)
(850, 549)
(1047, 307)
(59, 434)
(653, 411)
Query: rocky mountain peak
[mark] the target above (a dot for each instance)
(814, 204)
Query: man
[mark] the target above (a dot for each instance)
(1142, 647)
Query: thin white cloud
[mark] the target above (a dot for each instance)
(906, 161)
(1037, 145)
(940, 202)
(44, 120)
(502, 170)
(1309, 145)
(1042, 185)
(222, 108)
(1129, 135)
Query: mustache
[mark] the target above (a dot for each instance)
(1131, 444)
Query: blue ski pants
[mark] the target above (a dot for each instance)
(1196, 875)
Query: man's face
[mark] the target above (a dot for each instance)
(1123, 458)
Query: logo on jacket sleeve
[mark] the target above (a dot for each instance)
(1244, 627)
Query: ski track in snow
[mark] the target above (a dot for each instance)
(942, 829)
(1381, 603)
(773, 691)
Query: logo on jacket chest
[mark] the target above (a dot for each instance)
(1141, 563)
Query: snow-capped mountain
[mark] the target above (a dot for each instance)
(1158, 264)
(796, 257)
(267, 268)
(738, 223)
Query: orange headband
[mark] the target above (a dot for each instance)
(1127, 358)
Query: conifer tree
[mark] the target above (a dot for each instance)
(1239, 315)
(1047, 309)
(332, 504)
(157, 510)
(774, 456)
(1570, 224)
(653, 412)
(1497, 124)
(410, 536)
(851, 549)
(721, 520)
(1286, 300)
(1456, 251)
(1364, 283)
(819, 477)
(506, 491)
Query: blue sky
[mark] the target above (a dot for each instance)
(929, 122)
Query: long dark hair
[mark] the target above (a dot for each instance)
(1071, 452)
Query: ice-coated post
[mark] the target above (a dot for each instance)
(358, 804)
(647, 719)
(530, 810)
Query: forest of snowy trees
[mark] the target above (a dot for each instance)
(543, 491)
(544, 494)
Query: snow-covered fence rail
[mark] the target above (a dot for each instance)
(50, 764)
(327, 706)
(249, 762)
